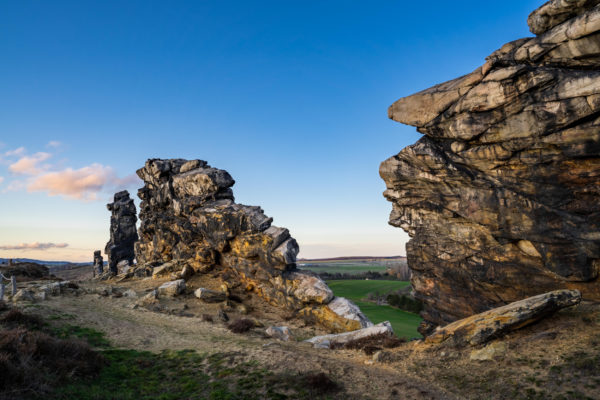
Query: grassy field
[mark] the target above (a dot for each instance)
(404, 323)
(344, 268)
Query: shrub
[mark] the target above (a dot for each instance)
(371, 344)
(241, 325)
(34, 361)
(16, 318)
(320, 383)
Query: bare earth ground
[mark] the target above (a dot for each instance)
(558, 358)
(143, 329)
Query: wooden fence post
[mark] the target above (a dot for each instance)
(1, 290)
(13, 280)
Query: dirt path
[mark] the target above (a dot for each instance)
(147, 330)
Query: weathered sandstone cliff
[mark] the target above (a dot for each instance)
(501, 197)
(189, 219)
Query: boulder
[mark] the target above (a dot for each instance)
(500, 196)
(210, 296)
(308, 288)
(327, 341)
(481, 328)
(23, 295)
(41, 295)
(172, 288)
(53, 289)
(490, 352)
(149, 298)
(279, 332)
(339, 315)
(130, 293)
(166, 269)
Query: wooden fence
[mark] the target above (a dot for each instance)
(13, 283)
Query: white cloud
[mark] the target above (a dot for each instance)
(80, 184)
(29, 165)
(53, 143)
(16, 152)
(33, 246)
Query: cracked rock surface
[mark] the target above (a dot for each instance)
(501, 196)
(189, 219)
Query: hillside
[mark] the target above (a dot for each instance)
(520, 366)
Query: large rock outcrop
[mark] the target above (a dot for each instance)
(501, 197)
(189, 217)
(123, 232)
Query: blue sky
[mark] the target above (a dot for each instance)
(290, 97)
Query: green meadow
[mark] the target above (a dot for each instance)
(404, 323)
(345, 268)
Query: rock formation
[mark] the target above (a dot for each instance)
(98, 268)
(189, 219)
(123, 232)
(501, 197)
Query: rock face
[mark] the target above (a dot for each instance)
(491, 324)
(189, 217)
(501, 197)
(123, 232)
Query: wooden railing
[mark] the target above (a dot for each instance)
(13, 282)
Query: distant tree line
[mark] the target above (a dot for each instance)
(402, 299)
(404, 302)
(373, 275)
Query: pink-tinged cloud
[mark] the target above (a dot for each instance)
(81, 184)
(34, 246)
(29, 165)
